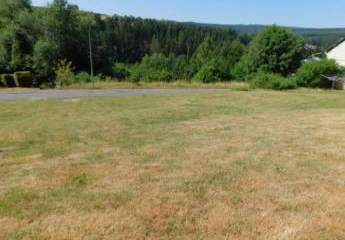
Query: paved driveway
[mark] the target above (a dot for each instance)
(77, 94)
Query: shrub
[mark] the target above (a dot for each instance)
(209, 73)
(82, 77)
(179, 67)
(241, 70)
(157, 61)
(23, 79)
(277, 50)
(8, 80)
(45, 55)
(97, 78)
(272, 81)
(64, 74)
(135, 74)
(310, 73)
(2, 82)
(120, 71)
(139, 73)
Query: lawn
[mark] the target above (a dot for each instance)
(235, 165)
(113, 84)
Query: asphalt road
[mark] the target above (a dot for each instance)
(79, 94)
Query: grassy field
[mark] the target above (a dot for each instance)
(238, 165)
(153, 85)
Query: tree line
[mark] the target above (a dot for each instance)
(59, 44)
(36, 39)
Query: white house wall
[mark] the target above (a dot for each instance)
(338, 54)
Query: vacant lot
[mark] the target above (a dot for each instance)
(233, 165)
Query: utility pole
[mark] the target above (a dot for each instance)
(90, 46)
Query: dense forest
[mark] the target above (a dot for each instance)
(36, 39)
(59, 45)
(323, 38)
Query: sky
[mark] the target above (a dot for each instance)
(299, 13)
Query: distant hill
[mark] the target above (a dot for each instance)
(322, 37)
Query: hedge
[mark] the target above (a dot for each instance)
(23, 79)
(272, 81)
(2, 82)
(8, 80)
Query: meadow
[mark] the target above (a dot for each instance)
(234, 165)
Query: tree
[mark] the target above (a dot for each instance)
(204, 54)
(9, 10)
(35, 39)
(155, 45)
(227, 55)
(16, 34)
(45, 57)
(276, 50)
(209, 73)
(61, 28)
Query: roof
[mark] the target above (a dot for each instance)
(336, 45)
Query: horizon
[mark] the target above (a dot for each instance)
(245, 12)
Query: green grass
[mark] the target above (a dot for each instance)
(144, 85)
(232, 165)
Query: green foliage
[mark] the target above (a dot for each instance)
(156, 61)
(276, 50)
(272, 81)
(8, 80)
(231, 52)
(179, 67)
(220, 58)
(45, 56)
(16, 34)
(3, 82)
(209, 73)
(310, 73)
(64, 74)
(36, 39)
(139, 73)
(152, 68)
(9, 9)
(204, 54)
(82, 77)
(120, 71)
(23, 79)
(61, 23)
(241, 69)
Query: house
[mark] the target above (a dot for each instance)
(337, 53)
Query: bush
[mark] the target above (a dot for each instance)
(179, 67)
(120, 71)
(8, 80)
(45, 55)
(82, 77)
(23, 79)
(241, 70)
(310, 74)
(2, 82)
(139, 73)
(64, 74)
(209, 73)
(277, 50)
(272, 81)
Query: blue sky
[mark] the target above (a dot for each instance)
(304, 13)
